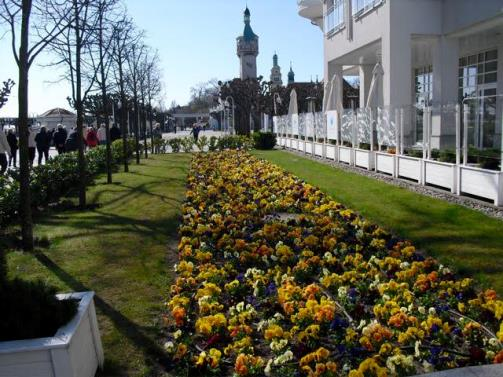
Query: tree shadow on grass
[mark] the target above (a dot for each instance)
(129, 329)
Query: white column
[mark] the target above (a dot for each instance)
(397, 66)
(365, 80)
(445, 60)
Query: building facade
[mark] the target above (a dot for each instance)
(248, 50)
(432, 53)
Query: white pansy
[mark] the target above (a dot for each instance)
(417, 351)
(421, 310)
(432, 311)
(177, 334)
(169, 347)
(267, 369)
(342, 292)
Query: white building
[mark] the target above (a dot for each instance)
(433, 52)
(51, 118)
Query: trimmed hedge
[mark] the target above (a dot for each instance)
(54, 180)
(264, 140)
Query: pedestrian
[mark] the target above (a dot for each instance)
(12, 140)
(60, 139)
(43, 140)
(72, 141)
(92, 138)
(102, 134)
(195, 131)
(31, 144)
(4, 151)
(115, 133)
(157, 133)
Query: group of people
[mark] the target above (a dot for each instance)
(42, 140)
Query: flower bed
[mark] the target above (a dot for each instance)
(277, 279)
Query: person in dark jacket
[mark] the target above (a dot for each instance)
(12, 140)
(60, 139)
(43, 141)
(72, 142)
(115, 133)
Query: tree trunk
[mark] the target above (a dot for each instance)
(79, 108)
(136, 128)
(124, 110)
(24, 163)
(104, 97)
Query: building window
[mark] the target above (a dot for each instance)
(423, 83)
(477, 70)
(334, 18)
(478, 78)
(362, 6)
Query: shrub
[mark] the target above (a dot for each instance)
(264, 140)
(31, 310)
(187, 144)
(212, 146)
(175, 144)
(202, 143)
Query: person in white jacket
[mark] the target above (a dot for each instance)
(102, 134)
(32, 145)
(4, 151)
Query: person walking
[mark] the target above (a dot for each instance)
(31, 144)
(60, 139)
(12, 140)
(4, 151)
(92, 138)
(102, 134)
(196, 128)
(115, 133)
(72, 142)
(43, 140)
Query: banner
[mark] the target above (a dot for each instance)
(275, 127)
(295, 124)
(309, 125)
(332, 125)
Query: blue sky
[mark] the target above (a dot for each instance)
(196, 40)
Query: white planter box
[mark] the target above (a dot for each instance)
(409, 167)
(385, 163)
(481, 182)
(345, 155)
(300, 145)
(442, 174)
(364, 159)
(75, 350)
(331, 152)
(318, 149)
(309, 147)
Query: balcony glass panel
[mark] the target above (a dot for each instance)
(361, 6)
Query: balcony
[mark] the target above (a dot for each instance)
(312, 10)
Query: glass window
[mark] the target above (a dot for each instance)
(360, 6)
(334, 18)
(475, 70)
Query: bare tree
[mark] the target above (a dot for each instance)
(134, 60)
(153, 87)
(77, 41)
(31, 31)
(123, 37)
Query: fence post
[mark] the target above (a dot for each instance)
(466, 113)
(430, 113)
(401, 130)
(456, 187)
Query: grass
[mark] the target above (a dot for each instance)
(120, 250)
(465, 239)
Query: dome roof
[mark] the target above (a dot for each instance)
(248, 34)
(57, 112)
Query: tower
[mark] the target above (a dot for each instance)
(291, 75)
(247, 50)
(276, 72)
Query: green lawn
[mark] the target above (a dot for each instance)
(124, 251)
(467, 240)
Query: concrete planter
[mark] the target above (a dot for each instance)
(441, 174)
(409, 167)
(364, 159)
(331, 152)
(75, 350)
(318, 149)
(495, 370)
(308, 145)
(385, 163)
(346, 155)
(482, 182)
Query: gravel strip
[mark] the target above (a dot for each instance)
(475, 204)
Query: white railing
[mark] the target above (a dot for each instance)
(386, 140)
